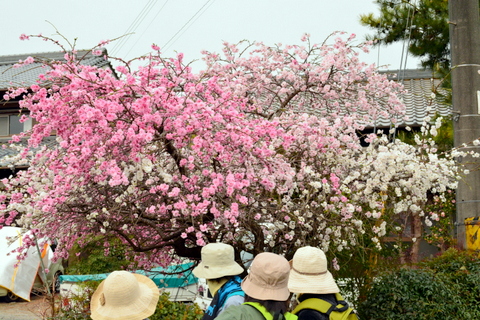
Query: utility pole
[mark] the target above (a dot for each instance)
(464, 23)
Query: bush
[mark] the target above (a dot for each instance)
(462, 269)
(94, 258)
(77, 306)
(445, 287)
(407, 294)
(169, 310)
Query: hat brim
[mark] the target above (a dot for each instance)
(320, 284)
(139, 309)
(212, 272)
(262, 292)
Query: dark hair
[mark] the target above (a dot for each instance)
(272, 306)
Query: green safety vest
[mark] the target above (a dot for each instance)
(267, 315)
(341, 311)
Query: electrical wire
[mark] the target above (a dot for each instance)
(134, 25)
(406, 44)
(193, 22)
(165, 46)
(141, 36)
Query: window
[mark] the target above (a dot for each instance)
(10, 125)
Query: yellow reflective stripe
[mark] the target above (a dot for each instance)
(12, 283)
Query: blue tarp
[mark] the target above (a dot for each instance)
(162, 277)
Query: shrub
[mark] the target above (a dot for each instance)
(407, 294)
(462, 269)
(445, 287)
(169, 310)
(94, 257)
(77, 306)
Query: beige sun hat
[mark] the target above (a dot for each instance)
(309, 272)
(218, 260)
(124, 296)
(268, 278)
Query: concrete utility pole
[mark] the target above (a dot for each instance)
(465, 55)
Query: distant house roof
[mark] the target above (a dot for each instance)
(28, 75)
(419, 84)
(8, 155)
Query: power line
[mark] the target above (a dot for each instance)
(134, 25)
(165, 46)
(193, 22)
(406, 43)
(141, 36)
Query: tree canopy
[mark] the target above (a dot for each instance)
(422, 24)
(260, 149)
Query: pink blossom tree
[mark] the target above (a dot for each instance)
(261, 149)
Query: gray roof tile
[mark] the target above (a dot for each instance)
(28, 75)
(419, 85)
(7, 154)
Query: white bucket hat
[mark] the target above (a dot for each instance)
(218, 260)
(268, 278)
(124, 296)
(309, 272)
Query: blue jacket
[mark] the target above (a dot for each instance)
(229, 289)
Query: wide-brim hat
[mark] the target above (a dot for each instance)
(124, 296)
(309, 272)
(218, 260)
(268, 278)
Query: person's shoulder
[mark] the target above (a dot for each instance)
(231, 302)
(240, 312)
(234, 300)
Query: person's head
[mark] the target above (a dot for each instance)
(309, 273)
(218, 261)
(124, 296)
(267, 282)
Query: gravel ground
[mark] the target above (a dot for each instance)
(36, 309)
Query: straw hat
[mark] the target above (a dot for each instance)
(309, 272)
(218, 260)
(124, 296)
(268, 278)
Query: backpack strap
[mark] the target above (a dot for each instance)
(315, 304)
(322, 305)
(267, 315)
(325, 307)
(257, 306)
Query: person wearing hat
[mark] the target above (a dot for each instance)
(316, 290)
(219, 268)
(266, 291)
(124, 296)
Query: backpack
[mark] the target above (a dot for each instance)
(267, 315)
(341, 311)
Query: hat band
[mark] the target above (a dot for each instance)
(308, 273)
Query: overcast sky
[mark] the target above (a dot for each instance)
(187, 26)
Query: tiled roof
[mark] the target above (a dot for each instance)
(420, 85)
(28, 75)
(8, 154)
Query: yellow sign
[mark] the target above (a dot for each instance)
(472, 230)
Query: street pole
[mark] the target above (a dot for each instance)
(464, 23)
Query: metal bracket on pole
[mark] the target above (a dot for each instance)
(456, 115)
